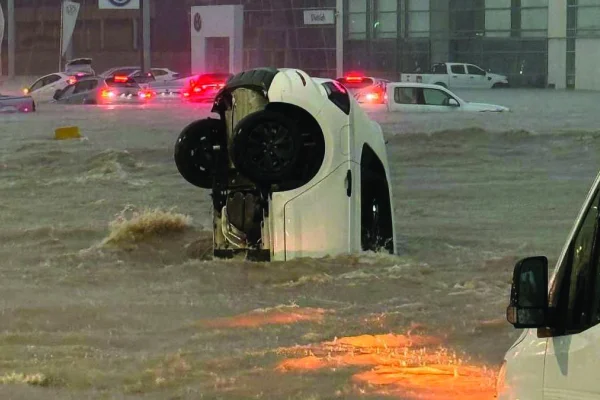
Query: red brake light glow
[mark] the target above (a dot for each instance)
(72, 80)
(121, 79)
(354, 78)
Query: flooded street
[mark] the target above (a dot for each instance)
(108, 293)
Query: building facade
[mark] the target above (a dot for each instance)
(535, 42)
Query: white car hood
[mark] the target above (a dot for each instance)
(485, 107)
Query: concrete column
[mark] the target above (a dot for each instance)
(11, 38)
(339, 38)
(439, 22)
(146, 46)
(557, 43)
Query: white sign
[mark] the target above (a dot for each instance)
(70, 10)
(122, 4)
(319, 17)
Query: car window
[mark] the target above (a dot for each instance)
(69, 90)
(51, 79)
(159, 72)
(473, 70)
(37, 85)
(124, 71)
(457, 69)
(405, 95)
(435, 97)
(576, 285)
(84, 86)
(439, 69)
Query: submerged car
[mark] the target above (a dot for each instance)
(98, 90)
(421, 97)
(556, 356)
(11, 104)
(202, 87)
(295, 166)
(134, 73)
(366, 89)
(43, 89)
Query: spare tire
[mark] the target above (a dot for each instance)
(195, 153)
(265, 147)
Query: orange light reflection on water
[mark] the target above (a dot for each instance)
(272, 316)
(413, 367)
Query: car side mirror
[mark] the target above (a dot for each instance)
(528, 306)
(57, 94)
(453, 103)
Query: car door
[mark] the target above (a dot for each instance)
(437, 100)
(83, 90)
(477, 77)
(403, 98)
(51, 84)
(573, 349)
(66, 94)
(457, 76)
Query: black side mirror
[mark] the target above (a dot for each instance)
(528, 306)
(57, 94)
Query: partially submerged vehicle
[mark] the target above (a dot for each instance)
(103, 91)
(296, 169)
(13, 104)
(421, 97)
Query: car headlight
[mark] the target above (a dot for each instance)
(500, 379)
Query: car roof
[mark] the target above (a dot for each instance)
(417, 85)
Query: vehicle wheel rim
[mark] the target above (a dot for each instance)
(375, 223)
(270, 147)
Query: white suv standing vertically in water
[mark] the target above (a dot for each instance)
(296, 169)
(557, 355)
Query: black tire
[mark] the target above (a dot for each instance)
(442, 84)
(266, 146)
(376, 214)
(194, 151)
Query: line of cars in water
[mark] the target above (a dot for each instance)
(79, 84)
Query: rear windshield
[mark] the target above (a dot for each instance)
(129, 84)
(363, 83)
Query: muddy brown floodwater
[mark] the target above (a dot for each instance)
(108, 293)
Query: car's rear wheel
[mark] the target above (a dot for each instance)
(376, 213)
(266, 146)
(195, 151)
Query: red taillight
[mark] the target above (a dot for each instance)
(72, 80)
(107, 93)
(372, 97)
(186, 94)
(121, 79)
(146, 94)
(197, 89)
(354, 79)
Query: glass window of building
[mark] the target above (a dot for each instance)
(357, 19)
(386, 19)
(418, 18)
(498, 18)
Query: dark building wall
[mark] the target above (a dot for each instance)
(274, 35)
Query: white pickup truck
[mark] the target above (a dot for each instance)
(457, 76)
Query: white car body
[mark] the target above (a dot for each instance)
(552, 362)
(164, 74)
(457, 76)
(420, 97)
(43, 89)
(320, 215)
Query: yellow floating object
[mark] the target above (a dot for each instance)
(67, 132)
